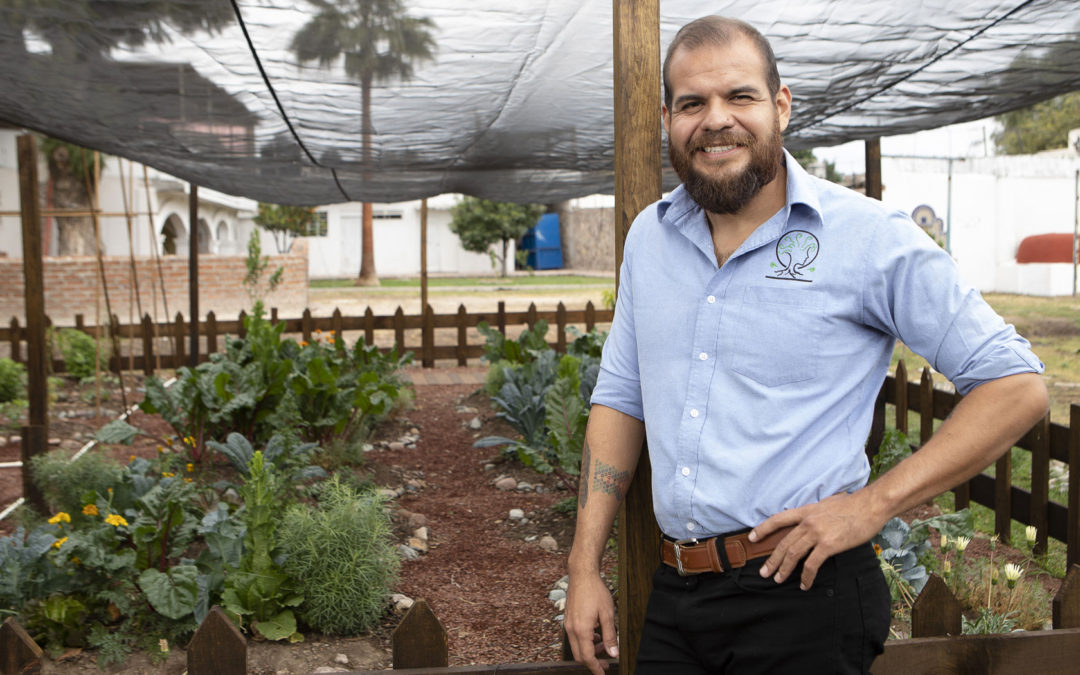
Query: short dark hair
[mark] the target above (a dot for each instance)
(721, 30)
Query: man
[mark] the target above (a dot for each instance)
(757, 312)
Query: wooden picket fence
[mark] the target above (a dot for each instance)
(420, 645)
(1045, 441)
(148, 345)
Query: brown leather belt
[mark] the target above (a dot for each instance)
(691, 556)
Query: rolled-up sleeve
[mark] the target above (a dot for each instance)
(618, 385)
(913, 291)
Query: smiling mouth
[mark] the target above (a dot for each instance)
(718, 148)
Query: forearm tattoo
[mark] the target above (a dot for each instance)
(607, 478)
(583, 484)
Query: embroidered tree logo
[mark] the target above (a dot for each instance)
(795, 251)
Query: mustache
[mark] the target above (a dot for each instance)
(713, 139)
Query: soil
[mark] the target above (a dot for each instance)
(485, 576)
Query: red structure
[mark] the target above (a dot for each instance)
(1046, 248)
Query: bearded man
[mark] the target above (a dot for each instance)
(757, 312)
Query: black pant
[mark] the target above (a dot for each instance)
(737, 622)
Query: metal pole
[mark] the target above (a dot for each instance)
(872, 166)
(423, 256)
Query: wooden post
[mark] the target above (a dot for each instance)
(242, 319)
(637, 141)
(926, 406)
(178, 331)
(1073, 536)
(901, 398)
(193, 273)
(1003, 497)
(305, 325)
(18, 651)
(419, 641)
(423, 254)
(462, 336)
(962, 492)
(369, 326)
(502, 317)
(148, 344)
(211, 332)
(399, 330)
(217, 648)
(1066, 603)
(873, 168)
(427, 339)
(1039, 511)
(560, 328)
(530, 316)
(590, 316)
(16, 340)
(936, 611)
(35, 436)
(338, 328)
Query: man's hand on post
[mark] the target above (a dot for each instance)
(831, 526)
(588, 605)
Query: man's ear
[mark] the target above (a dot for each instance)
(783, 106)
(665, 115)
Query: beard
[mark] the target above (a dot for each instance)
(729, 194)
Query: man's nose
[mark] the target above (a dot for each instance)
(718, 116)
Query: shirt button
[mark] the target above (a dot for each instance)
(694, 412)
(691, 526)
(686, 471)
(711, 299)
(703, 356)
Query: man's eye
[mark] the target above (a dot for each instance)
(691, 104)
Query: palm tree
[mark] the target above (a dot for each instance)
(378, 43)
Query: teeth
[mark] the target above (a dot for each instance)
(720, 148)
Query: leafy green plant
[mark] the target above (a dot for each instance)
(288, 457)
(529, 344)
(64, 482)
(893, 449)
(256, 266)
(56, 622)
(899, 557)
(12, 380)
(82, 354)
(258, 591)
(344, 553)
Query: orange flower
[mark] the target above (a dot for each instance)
(90, 510)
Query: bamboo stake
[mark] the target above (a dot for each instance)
(92, 190)
(157, 259)
(134, 295)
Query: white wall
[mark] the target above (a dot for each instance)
(397, 242)
(996, 203)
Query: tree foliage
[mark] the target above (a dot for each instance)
(479, 223)
(1043, 126)
(284, 222)
(806, 157)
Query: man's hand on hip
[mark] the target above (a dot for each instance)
(833, 525)
(588, 605)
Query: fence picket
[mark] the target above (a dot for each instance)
(901, 397)
(590, 316)
(419, 641)
(560, 327)
(962, 492)
(462, 336)
(936, 611)
(926, 406)
(1072, 537)
(217, 648)
(241, 329)
(211, 333)
(1066, 603)
(427, 339)
(502, 317)
(16, 342)
(178, 337)
(530, 316)
(399, 329)
(369, 327)
(148, 344)
(305, 325)
(1039, 510)
(18, 651)
(1003, 497)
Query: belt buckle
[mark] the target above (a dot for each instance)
(692, 541)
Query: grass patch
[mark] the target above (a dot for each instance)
(515, 281)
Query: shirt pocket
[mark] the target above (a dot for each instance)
(777, 335)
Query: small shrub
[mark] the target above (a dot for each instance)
(80, 352)
(12, 380)
(343, 553)
(64, 482)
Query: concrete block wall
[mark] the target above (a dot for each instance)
(71, 286)
(588, 239)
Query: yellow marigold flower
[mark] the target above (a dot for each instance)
(110, 490)
(60, 518)
(116, 520)
(90, 510)
(877, 550)
(75, 560)
(167, 474)
(168, 441)
(188, 480)
(160, 449)
(59, 542)
(190, 467)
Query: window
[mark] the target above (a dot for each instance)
(386, 215)
(317, 226)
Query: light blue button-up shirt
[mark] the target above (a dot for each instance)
(757, 380)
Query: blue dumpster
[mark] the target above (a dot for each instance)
(543, 244)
